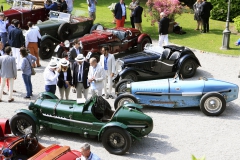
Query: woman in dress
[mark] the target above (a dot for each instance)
(197, 16)
(64, 79)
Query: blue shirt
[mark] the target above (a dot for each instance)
(3, 25)
(123, 9)
(91, 157)
(92, 8)
(26, 64)
(105, 63)
(53, 6)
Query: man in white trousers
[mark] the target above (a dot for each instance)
(163, 29)
(95, 77)
(107, 61)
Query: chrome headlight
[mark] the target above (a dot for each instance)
(119, 65)
(66, 43)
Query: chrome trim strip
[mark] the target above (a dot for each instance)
(137, 126)
(192, 93)
(65, 119)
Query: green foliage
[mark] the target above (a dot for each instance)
(194, 158)
(237, 23)
(220, 8)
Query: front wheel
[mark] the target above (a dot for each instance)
(121, 86)
(46, 49)
(124, 99)
(22, 124)
(142, 44)
(188, 68)
(212, 104)
(116, 140)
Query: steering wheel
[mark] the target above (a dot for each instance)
(31, 142)
(130, 33)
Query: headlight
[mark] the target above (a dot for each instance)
(67, 43)
(119, 65)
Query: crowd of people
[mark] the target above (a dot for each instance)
(81, 74)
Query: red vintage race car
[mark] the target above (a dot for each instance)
(28, 147)
(25, 11)
(118, 39)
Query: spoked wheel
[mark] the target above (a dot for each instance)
(124, 99)
(142, 44)
(212, 104)
(46, 49)
(121, 86)
(31, 142)
(116, 140)
(188, 69)
(65, 31)
(22, 124)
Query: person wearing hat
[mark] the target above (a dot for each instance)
(51, 6)
(51, 74)
(64, 79)
(27, 70)
(80, 76)
(7, 153)
(96, 76)
(3, 26)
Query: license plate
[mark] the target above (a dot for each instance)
(57, 47)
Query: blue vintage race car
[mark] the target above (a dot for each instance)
(208, 93)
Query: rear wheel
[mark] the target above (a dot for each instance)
(122, 85)
(212, 104)
(46, 49)
(141, 45)
(188, 68)
(130, 75)
(116, 140)
(22, 124)
(124, 99)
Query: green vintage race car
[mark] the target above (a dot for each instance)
(94, 118)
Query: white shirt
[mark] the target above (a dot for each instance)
(49, 77)
(32, 35)
(1, 52)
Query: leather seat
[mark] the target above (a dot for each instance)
(120, 34)
(165, 53)
(175, 55)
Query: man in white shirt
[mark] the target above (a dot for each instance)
(86, 153)
(51, 74)
(107, 61)
(92, 8)
(31, 42)
(95, 77)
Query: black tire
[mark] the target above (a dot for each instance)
(130, 75)
(119, 135)
(95, 27)
(123, 99)
(65, 31)
(188, 68)
(212, 104)
(19, 122)
(121, 86)
(46, 49)
(140, 46)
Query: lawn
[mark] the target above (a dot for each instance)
(209, 42)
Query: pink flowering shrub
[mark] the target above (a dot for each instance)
(169, 7)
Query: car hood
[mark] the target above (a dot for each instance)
(50, 24)
(140, 57)
(11, 12)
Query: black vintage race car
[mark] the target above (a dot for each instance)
(156, 62)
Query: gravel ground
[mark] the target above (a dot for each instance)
(177, 133)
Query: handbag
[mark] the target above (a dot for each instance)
(33, 72)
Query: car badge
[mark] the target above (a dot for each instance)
(177, 89)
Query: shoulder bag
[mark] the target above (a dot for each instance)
(33, 72)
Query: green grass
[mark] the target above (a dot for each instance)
(210, 42)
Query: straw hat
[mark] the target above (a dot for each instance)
(52, 64)
(64, 62)
(80, 58)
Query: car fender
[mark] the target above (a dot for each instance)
(140, 38)
(133, 105)
(44, 37)
(30, 114)
(4, 127)
(136, 71)
(48, 94)
(185, 57)
(111, 124)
